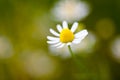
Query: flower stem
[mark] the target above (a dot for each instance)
(69, 47)
(74, 57)
(80, 66)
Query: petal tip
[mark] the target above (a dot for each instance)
(75, 22)
(65, 24)
(86, 32)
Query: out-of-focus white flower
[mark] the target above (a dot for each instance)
(5, 48)
(86, 46)
(115, 47)
(38, 64)
(70, 10)
(66, 36)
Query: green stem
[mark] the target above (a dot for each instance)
(72, 54)
(80, 66)
(74, 57)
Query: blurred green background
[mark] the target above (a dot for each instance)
(25, 55)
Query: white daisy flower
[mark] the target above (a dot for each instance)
(86, 47)
(36, 63)
(6, 48)
(66, 36)
(70, 10)
(115, 48)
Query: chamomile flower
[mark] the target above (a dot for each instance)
(66, 36)
(70, 10)
(115, 48)
(86, 47)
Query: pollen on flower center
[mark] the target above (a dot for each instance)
(66, 35)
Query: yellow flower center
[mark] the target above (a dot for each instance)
(66, 36)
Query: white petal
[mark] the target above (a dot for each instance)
(76, 41)
(52, 38)
(58, 44)
(54, 32)
(61, 46)
(74, 27)
(59, 28)
(69, 43)
(52, 42)
(81, 34)
(65, 25)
